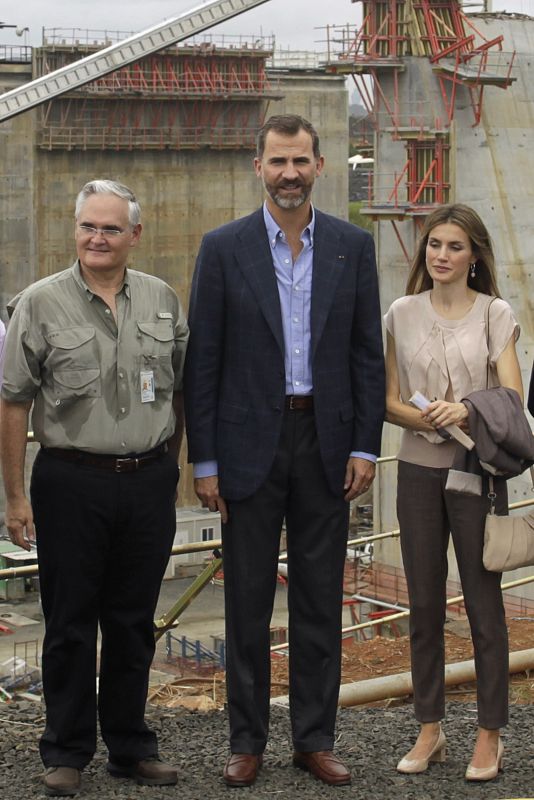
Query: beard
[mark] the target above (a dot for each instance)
(294, 201)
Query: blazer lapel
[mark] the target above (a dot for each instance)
(254, 257)
(329, 260)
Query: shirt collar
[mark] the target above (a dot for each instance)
(78, 277)
(274, 231)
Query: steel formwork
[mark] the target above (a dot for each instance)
(202, 71)
(184, 97)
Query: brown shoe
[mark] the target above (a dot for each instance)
(324, 766)
(242, 769)
(149, 772)
(62, 781)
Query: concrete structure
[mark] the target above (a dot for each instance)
(486, 165)
(183, 191)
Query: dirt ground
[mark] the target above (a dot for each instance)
(384, 656)
(377, 657)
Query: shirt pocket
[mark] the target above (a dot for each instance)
(156, 341)
(74, 364)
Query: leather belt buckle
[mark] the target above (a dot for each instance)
(126, 464)
(299, 402)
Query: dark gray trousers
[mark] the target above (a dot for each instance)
(317, 525)
(427, 515)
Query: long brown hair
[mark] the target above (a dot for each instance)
(467, 219)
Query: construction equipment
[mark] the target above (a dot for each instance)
(120, 54)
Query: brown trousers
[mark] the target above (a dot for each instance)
(427, 515)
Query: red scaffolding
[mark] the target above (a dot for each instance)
(462, 59)
(194, 96)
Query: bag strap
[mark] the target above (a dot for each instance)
(492, 495)
(486, 327)
(491, 492)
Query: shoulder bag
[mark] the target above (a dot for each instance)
(508, 541)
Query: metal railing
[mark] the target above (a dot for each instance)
(105, 138)
(83, 37)
(15, 54)
(167, 621)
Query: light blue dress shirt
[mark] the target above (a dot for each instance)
(294, 282)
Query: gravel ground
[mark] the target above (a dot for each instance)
(369, 740)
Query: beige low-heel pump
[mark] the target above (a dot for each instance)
(486, 773)
(411, 766)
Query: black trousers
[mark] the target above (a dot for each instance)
(317, 525)
(427, 514)
(103, 543)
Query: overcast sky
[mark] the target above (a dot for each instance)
(293, 22)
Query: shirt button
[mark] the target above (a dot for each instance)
(121, 374)
(108, 310)
(297, 383)
(286, 260)
(123, 411)
(297, 351)
(295, 319)
(123, 444)
(297, 288)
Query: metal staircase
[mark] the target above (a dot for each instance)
(120, 54)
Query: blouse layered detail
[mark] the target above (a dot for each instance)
(444, 360)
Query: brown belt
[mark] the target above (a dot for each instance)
(299, 402)
(102, 461)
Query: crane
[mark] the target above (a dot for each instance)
(94, 66)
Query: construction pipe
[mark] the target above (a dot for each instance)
(405, 614)
(369, 691)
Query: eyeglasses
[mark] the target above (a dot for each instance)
(107, 233)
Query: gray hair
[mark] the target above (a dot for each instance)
(110, 187)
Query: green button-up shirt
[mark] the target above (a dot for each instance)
(98, 385)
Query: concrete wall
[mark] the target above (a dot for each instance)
(491, 169)
(17, 215)
(182, 193)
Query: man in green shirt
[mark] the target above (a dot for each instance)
(98, 350)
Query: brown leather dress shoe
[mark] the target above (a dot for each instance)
(242, 769)
(324, 766)
(62, 781)
(149, 772)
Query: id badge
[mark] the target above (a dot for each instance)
(148, 394)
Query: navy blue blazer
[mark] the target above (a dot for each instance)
(234, 381)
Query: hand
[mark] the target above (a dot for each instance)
(464, 425)
(359, 476)
(19, 523)
(207, 491)
(440, 413)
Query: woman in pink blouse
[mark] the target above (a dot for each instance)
(437, 345)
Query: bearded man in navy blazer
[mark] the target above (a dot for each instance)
(284, 390)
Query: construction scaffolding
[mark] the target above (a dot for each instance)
(377, 56)
(209, 93)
